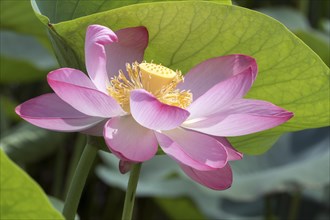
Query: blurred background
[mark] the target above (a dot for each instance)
(290, 181)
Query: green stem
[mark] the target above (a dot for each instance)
(130, 193)
(79, 145)
(78, 181)
(294, 207)
(268, 208)
(59, 169)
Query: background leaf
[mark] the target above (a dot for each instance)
(21, 197)
(325, 26)
(291, 18)
(298, 161)
(7, 107)
(28, 143)
(18, 16)
(300, 26)
(180, 208)
(155, 180)
(23, 58)
(25, 48)
(318, 41)
(291, 75)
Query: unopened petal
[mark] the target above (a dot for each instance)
(129, 140)
(219, 179)
(153, 114)
(73, 88)
(50, 112)
(207, 74)
(194, 149)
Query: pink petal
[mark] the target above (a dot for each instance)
(130, 47)
(153, 114)
(194, 149)
(222, 94)
(129, 140)
(218, 179)
(205, 75)
(233, 154)
(50, 112)
(97, 37)
(72, 76)
(243, 117)
(72, 87)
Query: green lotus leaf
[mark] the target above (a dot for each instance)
(183, 34)
(56, 11)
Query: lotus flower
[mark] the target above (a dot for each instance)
(137, 105)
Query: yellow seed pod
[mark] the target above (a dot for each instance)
(155, 76)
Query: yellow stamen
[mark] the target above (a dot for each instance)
(156, 79)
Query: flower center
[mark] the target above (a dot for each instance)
(154, 78)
